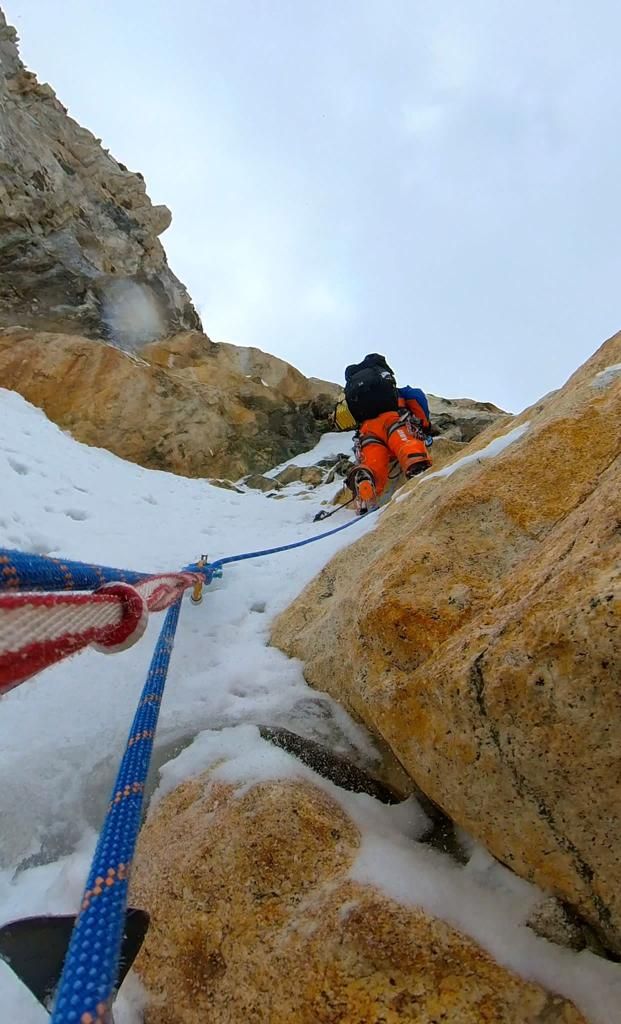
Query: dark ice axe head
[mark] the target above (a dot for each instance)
(35, 949)
(326, 515)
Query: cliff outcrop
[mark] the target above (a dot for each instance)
(79, 237)
(181, 405)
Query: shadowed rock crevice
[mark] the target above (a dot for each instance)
(441, 834)
(329, 765)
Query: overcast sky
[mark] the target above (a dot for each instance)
(438, 181)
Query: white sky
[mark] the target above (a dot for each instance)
(437, 181)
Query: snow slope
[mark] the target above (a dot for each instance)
(338, 443)
(61, 734)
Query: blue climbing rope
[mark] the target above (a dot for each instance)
(20, 570)
(283, 547)
(90, 972)
(91, 967)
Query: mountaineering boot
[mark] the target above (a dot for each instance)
(365, 491)
(407, 446)
(417, 464)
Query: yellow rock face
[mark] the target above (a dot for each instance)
(195, 357)
(476, 630)
(185, 405)
(253, 919)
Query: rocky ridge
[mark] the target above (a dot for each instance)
(183, 404)
(461, 419)
(79, 237)
(179, 405)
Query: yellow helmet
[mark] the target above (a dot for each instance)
(343, 419)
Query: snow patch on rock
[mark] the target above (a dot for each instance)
(492, 449)
(605, 377)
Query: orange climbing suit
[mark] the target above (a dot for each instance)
(391, 436)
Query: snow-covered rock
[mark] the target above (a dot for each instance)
(257, 913)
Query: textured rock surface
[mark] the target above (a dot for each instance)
(310, 475)
(194, 357)
(553, 921)
(461, 419)
(476, 629)
(258, 482)
(254, 918)
(79, 247)
(205, 420)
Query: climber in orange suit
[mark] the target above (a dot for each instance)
(393, 423)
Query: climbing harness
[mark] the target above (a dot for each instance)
(50, 608)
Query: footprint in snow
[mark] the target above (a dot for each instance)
(77, 514)
(253, 691)
(18, 467)
(40, 545)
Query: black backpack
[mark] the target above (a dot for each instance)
(370, 388)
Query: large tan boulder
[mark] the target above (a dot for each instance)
(184, 406)
(477, 631)
(254, 918)
(193, 356)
